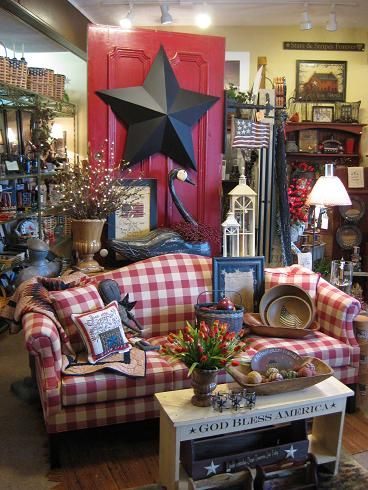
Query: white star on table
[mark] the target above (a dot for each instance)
(211, 468)
(290, 452)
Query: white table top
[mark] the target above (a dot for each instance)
(179, 409)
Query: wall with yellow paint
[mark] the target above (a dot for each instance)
(268, 42)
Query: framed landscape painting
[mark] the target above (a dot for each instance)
(323, 81)
(234, 276)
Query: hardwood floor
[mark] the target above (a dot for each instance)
(355, 439)
(121, 457)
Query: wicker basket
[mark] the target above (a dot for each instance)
(41, 81)
(207, 313)
(59, 86)
(4, 66)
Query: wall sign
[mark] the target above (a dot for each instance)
(316, 46)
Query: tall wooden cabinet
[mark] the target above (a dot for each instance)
(318, 143)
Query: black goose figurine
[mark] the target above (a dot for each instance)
(163, 240)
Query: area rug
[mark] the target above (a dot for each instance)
(351, 476)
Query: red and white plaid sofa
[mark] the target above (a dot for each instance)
(166, 288)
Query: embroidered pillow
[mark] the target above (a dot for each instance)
(295, 275)
(102, 332)
(75, 301)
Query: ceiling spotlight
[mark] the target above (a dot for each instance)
(166, 17)
(127, 21)
(203, 18)
(306, 23)
(331, 24)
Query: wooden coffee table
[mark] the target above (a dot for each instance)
(181, 421)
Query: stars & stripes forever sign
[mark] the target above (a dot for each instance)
(249, 134)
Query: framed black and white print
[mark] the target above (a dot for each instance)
(243, 275)
(137, 219)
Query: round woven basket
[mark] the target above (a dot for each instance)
(207, 313)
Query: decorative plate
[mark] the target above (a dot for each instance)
(275, 357)
(348, 236)
(355, 212)
(27, 227)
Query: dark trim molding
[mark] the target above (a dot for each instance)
(29, 18)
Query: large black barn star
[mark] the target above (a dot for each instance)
(159, 114)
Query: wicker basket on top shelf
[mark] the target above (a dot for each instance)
(41, 81)
(59, 85)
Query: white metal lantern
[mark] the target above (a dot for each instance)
(230, 236)
(243, 206)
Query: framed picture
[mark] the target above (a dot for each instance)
(135, 220)
(243, 275)
(237, 69)
(322, 113)
(323, 81)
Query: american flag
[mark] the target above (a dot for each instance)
(249, 134)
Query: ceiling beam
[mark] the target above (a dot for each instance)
(65, 27)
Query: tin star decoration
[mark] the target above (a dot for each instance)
(212, 468)
(159, 114)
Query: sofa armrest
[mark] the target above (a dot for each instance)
(42, 340)
(336, 311)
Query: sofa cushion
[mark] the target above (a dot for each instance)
(105, 386)
(75, 300)
(295, 275)
(102, 332)
(320, 345)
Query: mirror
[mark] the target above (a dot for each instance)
(12, 131)
(2, 133)
(25, 130)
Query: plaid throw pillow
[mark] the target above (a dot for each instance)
(305, 279)
(102, 332)
(75, 301)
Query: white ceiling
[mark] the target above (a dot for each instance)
(350, 13)
(14, 32)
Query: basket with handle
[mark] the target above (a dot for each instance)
(208, 313)
(4, 66)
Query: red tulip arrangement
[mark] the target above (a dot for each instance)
(205, 347)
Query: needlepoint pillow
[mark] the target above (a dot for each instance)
(74, 301)
(102, 332)
(296, 275)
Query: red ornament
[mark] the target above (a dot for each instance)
(225, 304)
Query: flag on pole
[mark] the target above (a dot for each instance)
(249, 134)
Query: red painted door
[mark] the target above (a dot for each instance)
(117, 59)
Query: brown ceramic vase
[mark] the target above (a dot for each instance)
(86, 242)
(204, 381)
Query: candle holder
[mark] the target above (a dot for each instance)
(235, 399)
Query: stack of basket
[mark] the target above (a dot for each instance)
(4, 67)
(41, 81)
(59, 84)
(18, 72)
(12, 70)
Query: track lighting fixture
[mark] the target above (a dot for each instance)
(306, 23)
(331, 24)
(166, 17)
(203, 17)
(127, 21)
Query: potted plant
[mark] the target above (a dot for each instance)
(89, 192)
(204, 350)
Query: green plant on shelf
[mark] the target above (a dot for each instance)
(233, 92)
